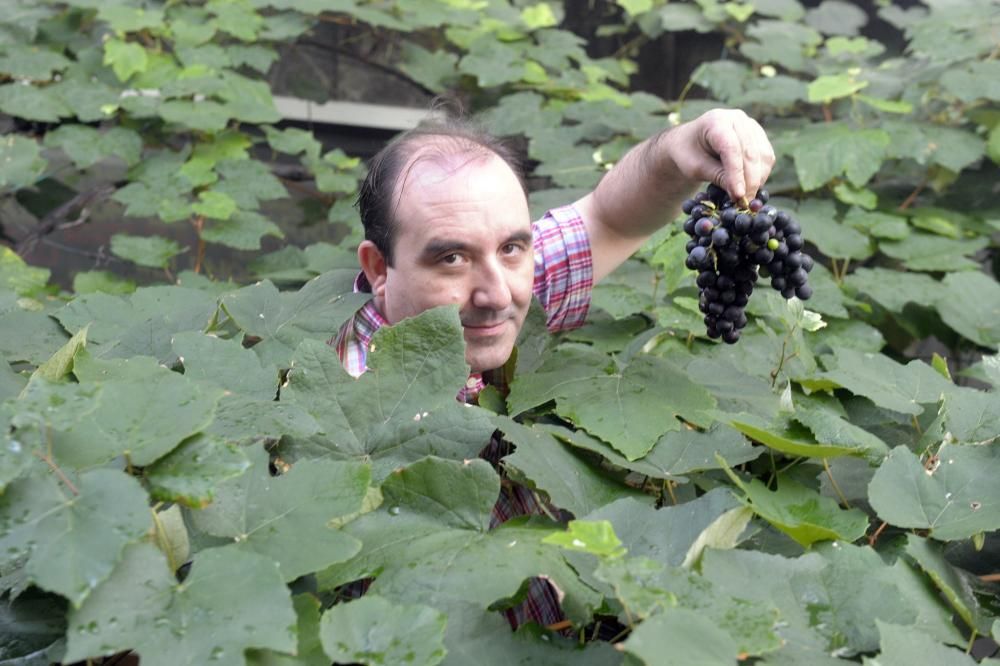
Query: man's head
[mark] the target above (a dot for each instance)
(446, 222)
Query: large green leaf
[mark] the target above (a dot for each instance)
(680, 637)
(309, 651)
(649, 590)
(778, 440)
(833, 238)
(21, 163)
(225, 363)
(930, 252)
(903, 388)
(675, 454)
(971, 416)
(954, 584)
(143, 416)
(629, 408)
(152, 251)
(373, 630)
(669, 535)
(401, 409)
(71, 529)
(902, 646)
(141, 324)
(954, 496)
(826, 151)
(287, 518)
(212, 617)
(549, 465)
(430, 543)
(893, 289)
(191, 473)
(33, 103)
(283, 320)
(969, 302)
(802, 513)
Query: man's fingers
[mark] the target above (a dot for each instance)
(730, 175)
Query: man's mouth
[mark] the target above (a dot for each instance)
(484, 329)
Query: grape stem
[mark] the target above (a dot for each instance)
(836, 487)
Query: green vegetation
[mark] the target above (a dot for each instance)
(187, 472)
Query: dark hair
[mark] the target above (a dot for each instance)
(436, 139)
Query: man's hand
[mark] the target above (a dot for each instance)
(645, 189)
(723, 146)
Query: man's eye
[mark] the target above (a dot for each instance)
(452, 259)
(511, 248)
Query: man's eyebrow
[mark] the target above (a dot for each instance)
(519, 237)
(442, 246)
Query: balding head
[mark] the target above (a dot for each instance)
(447, 145)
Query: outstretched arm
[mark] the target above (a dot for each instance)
(645, 189)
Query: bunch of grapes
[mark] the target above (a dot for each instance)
(732, 245)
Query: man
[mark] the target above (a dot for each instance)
(446, 222)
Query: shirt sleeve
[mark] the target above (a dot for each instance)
(564, 271)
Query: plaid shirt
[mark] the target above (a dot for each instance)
(563, 281)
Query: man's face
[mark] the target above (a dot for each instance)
(462, 236)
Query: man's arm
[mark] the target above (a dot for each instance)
(645, 189)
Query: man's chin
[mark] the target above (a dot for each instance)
(483, 358)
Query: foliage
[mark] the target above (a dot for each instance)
(186, 470)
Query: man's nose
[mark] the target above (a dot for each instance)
(490, 290)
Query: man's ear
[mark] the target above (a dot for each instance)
(374, 266)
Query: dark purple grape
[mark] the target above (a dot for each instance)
(763, 256)
(724, 282)
(728, 216)
(807, 263)
(691, 244)
(804, 292)
(716, 308)
(792, 228)
(732, 313)
(755, 205)
(731, 337)
(705, 279)
(689, 226)
(741, 300)
(778, 283)
(763, 195)
(696, 257)
(688, 206)
(797, 278)
(794, 242)
(793, 260)
(743, 224)
(720, 237)
(724, 326)
(704, 226)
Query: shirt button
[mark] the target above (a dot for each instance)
(471, 383)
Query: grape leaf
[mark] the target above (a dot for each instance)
(548, 465)
(72, 535)
(141, 324)
(893, 289)
(930, 252)
(902, 646)
(33, 103)
(674, 454)
(971, 416)
(430, 542)
(225, 363)
(373, 630)
(191, 473)
(243, 231)
(681, 637)
(644, 587)
(969, 302)
(792, 445)
(309, 651)
(666, 535)
(629, 408)
(825, 151)
(21, 164)
(802, 513)
(284, 319)
(956, 500)
(287, 518)
(152, 251)
(401, 409)
(886, 383)
(212, 617)
(953, 583)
